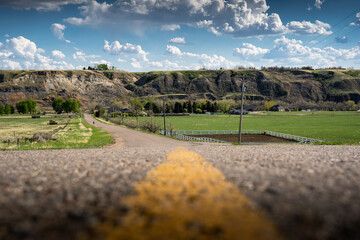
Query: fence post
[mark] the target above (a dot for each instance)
(18, 142)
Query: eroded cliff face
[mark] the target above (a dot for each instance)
(106, 87)
(45, 85)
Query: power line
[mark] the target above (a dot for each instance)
(338, 23)
(331, 35)
(346, 35)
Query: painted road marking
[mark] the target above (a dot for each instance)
(187, 198)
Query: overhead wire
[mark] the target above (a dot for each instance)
(338, 23)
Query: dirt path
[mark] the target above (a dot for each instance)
(125, 137)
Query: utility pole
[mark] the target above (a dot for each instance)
(164, 111)
(242, 108)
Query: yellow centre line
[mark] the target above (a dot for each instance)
(187, 198)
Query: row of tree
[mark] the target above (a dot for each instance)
(199, 106)
(24, 107)
(69, 105)
(7, 109)
(101, 67)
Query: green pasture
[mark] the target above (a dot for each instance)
(77, 134)
(332, 127)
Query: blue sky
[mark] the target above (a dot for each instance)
(147, 35)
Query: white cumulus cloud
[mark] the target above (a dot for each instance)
(173, 50)
(79, 55)
(248, 51)
(178, 40)
(58, 54)
(22, 53)
(9, 64)
(208, 61)
(309, 28)
(22, 47)
(241, 18)
(58, 31)
(115, 48)
(135, 63)
(292, 52)
(101, 62)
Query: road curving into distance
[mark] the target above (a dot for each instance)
(145, 186)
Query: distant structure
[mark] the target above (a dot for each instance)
(277, 108)
(238, 111)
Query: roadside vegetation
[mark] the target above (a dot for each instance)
(21, 132)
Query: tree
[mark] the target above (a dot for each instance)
(194, 107)
(148, 106)
(102, 67)
(9, 109)
(225, 105)
(22, 107)
(269, 104)
(178, 108)
(99, 111)
(32, 105)
(137, 106)
(71, 105)
(189, 107)
(2, 110)
(58, 105)
(350, 105)
(26, 106)
(156, 108)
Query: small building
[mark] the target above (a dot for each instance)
(277, 108)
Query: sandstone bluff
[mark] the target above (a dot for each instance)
(287, 85)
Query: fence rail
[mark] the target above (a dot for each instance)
(189, 138)
(182, 133)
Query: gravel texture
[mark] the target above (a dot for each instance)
(311, 192)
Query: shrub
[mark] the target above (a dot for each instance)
(9, 109)
(151, 126)
(43, 137)
(131, 124)
(170, 128)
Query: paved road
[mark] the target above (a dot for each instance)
(308, 192)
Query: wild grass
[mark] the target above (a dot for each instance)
(77, 134)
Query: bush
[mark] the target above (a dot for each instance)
(43, 137)
(170, 128)
(151, 126)
(117, 121)
(9, 109)
(131, 124)
(198, 110)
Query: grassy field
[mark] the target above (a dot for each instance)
(77, 134)
(333, 127)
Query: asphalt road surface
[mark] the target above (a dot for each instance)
(305, 192)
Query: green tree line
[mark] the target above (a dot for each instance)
(69, 105)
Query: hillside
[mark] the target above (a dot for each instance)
(107, 86)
